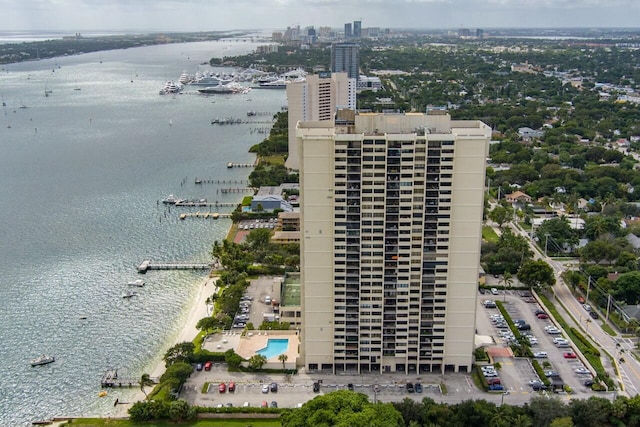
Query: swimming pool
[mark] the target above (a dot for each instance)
(275, 347)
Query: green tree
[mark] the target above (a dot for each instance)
(179, 371)
(536, 274)
(257, 361)
(345, 409)
(564, 422)
(499, 215)
(146, 381)
(627, 287)
(507, 282)
(180, 411)
(181, 352)
(544, 410)
(207, 324)
(232, 359)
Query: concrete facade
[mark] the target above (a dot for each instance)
(391, 208)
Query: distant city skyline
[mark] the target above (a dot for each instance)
(200, 15)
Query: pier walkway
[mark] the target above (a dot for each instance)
(211, 215)
(111, 379)
(148, 264)
(214, 204)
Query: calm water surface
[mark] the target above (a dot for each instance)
(82, 171)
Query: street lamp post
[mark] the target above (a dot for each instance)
(546, 243)
(502, 397)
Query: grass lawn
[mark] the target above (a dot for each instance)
(102, 422)
(608, 329)
(276, 159)
(489, 235)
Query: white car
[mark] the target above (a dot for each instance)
(582, 370)
(494, 291)
(265, 388)
(540, 354)
(490, 374)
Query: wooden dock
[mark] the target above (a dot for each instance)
(237, 190)
(231, 165)
(220, 181)
(111, 379)
(210, 215)
(148, 264)
(206, 204)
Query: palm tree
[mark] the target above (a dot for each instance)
(283, 358)
(145, 381)
(506, 281)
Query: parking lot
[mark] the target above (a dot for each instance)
(517, 373)
(253, 306)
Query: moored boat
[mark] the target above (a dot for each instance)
(138, 283)
(42, 360)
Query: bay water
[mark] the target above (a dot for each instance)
(88, 148)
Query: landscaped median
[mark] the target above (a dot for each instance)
(581, 342)
(522, 349)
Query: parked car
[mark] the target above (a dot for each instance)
(316, 387)
(273, 387)
(540, 354)
(542, 316)
(588, 383)
(490, 374)
(524, 326)
(551, 374)
(232, 387)
(265, 388)
(581, 370)
(494, 291)
(594, 315)
(199, 367)
(586, 307)
(410, 388)
(496, 387)
(569, 355)
(494, 381)
(207, 366)
(350, 386)
(274, 404)
(580, 300)
(539, 387)
(222, 387)
(264, 404)
(418, 387)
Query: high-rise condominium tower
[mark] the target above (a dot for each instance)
(316, 99)
(391, 208)
(344, 57)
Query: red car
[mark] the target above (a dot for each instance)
(542, 316)
(580, 300)
(232, 387)
(222, 388)
(264, 404)
(569, 355)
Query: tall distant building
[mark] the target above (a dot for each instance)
(391, 223)
(357, 29)
(345, 57)
(316, 99)
(347, 30)
(480, 33)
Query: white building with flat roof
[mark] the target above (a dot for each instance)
(391, 223)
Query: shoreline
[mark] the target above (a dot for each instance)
(188, 332)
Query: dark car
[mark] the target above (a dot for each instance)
(350, 386)
(273, 387)
(418, 387)
(588, 383)
(274, 404)
(539, 387)
(523, 326)
(410, 388)
(316, 387)
(495, 387)
(199, 367)
(594, 315)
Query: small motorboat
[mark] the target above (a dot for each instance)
(129, 294)
(137, 283)
(42, 360)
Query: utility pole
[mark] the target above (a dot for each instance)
(546, 243)
(588, 288)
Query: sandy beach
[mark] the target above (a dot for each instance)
(199, 309)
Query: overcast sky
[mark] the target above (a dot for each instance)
(205, 15)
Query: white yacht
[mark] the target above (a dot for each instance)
(170, 87)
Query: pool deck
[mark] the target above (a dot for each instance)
(247, 345)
